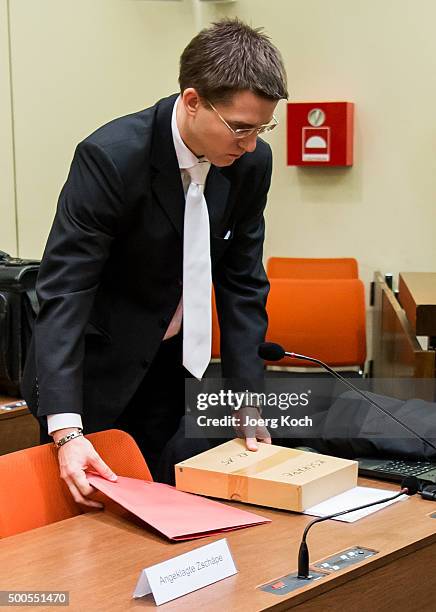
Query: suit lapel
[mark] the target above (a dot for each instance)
(216, 194)
(168, 190)
(166, 182)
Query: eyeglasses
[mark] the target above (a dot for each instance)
(245, 132)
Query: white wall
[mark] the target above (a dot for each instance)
(78, 63)
(8, 241)
(379, 54)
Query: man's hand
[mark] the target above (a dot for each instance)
(74, 458)
(250, 426)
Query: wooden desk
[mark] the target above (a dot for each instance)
(417, 295)
(98, 556)
(18, 428)
(396, 353)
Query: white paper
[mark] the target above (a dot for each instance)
(186, 573)
(357, 496)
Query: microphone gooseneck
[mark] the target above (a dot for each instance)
(270, 351)
(409, 486)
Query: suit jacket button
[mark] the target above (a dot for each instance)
(145, 363)
(164, 323)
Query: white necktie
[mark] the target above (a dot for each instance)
(197, 275)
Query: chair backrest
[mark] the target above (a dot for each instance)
(32, 493)
(300, 267)
(324, 319)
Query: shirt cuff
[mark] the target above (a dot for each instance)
(63, 420)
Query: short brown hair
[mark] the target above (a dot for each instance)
(230, 56)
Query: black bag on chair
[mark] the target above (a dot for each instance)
(18, 309)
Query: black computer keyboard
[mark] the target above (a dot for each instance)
(397, 469)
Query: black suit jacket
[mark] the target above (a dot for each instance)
(111, 275)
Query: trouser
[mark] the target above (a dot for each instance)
(154, 413)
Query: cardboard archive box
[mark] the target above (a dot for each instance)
(274, 476)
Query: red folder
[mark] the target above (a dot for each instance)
(178, 515)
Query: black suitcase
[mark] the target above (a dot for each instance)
(18, 309)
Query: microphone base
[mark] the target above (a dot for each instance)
(291, 582)
(339, 561)
(345, 558)
(308, 577)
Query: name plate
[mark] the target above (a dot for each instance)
(186, 573)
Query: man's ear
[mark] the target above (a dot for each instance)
(191, 101)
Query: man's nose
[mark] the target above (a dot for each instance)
(249, 143)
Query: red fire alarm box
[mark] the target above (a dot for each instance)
(320, 133)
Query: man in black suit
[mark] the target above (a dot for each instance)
(109, 346)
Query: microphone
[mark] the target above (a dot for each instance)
(409, 486)
(270, 351)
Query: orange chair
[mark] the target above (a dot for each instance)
(324, 319)
(31, 492)
(298, 267)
